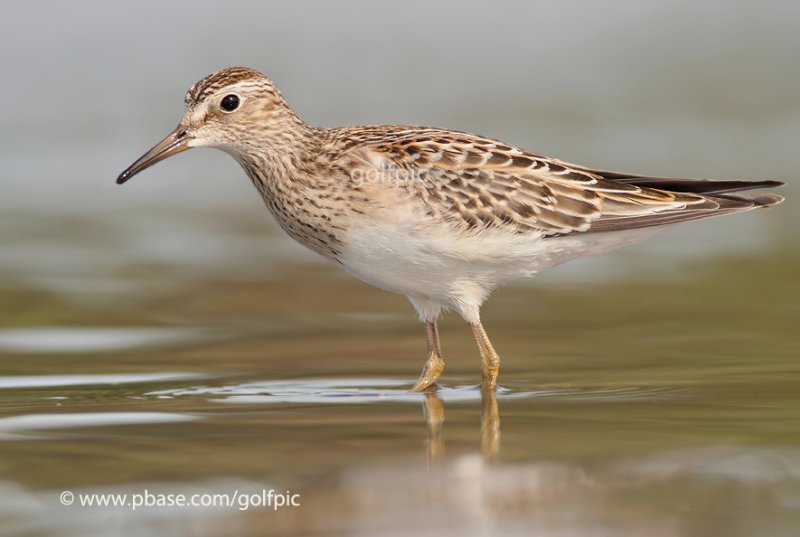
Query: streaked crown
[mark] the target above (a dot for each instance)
(225, 77)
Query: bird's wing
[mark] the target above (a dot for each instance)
(478, 183)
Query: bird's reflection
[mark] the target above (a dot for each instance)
(490, 426)
(433, 411)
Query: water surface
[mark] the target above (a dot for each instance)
(664, 406)
(165, 336)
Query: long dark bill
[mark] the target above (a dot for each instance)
(176, 142)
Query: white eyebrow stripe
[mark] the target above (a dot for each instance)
(243, 84)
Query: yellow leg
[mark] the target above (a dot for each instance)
(490, 360)
(434, 417)
(434, 365)
(490, 425)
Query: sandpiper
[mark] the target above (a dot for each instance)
(441, 216)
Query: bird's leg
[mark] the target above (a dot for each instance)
(434, 365)
(490, 425)
(490, 360)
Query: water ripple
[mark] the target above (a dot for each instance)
(351, 391)
(12, 427)
(69, 340)
(48, 381)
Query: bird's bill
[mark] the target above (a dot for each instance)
(176, 142)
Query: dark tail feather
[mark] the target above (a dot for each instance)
(719, 199)
(693, 186)
(765, 200)
(696, 186)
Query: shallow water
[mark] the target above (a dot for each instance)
(165, 337)
(664, 406)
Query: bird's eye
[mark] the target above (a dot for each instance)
(229, 103)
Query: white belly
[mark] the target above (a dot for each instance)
(457, 270)
(436, 264)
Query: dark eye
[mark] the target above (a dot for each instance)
(229, 103)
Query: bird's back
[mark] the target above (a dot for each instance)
(477, 183)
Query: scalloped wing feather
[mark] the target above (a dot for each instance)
(477, 183)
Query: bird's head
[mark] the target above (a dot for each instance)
(235, 109)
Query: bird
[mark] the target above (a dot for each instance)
(441, 216)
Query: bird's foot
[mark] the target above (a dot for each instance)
(491, 368)
(432, 370)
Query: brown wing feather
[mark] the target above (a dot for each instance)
(479, 183)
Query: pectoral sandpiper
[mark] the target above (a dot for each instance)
(440, 216)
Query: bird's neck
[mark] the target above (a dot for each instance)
(283, 174)
(277, 154)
